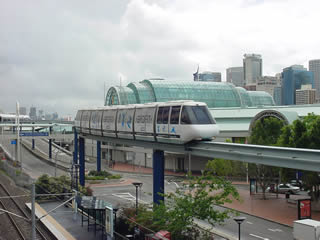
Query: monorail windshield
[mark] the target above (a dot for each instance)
(196, 115)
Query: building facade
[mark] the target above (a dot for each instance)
(33, 113)
(252, 68)
(305, 95)
(235, 76)
(314, 67)
(292, 79)
(267, 84)
(23, 110)
(214, 94)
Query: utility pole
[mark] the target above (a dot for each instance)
(18, 134)
(33, 211)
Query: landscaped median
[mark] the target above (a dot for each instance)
(95, 177)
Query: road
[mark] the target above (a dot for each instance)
(253, 228)
(31, 164)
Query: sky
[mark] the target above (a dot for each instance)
(59, 56)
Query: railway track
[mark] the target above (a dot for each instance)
(20, 227)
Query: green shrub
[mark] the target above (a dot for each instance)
(101, 173)
(55, 185)
(117, 176)
(94, 177)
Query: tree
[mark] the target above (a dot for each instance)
(303, 133)
(265, 132)
(219, 167)
(195, 200)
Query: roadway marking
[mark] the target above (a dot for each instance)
(127, 196)
(249, 222)
(275, 230)
(253, 235)
(172, 182)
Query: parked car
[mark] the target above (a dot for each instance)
(285, 188)
(296, 183)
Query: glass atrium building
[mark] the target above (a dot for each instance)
(214, 94)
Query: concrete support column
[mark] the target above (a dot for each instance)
(50, 148)
(98, 156)
(75, 151)
(81, 161)
(158, 176)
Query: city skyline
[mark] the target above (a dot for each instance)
(59, 55)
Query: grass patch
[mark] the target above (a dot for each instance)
(117, 176)
(95, 177)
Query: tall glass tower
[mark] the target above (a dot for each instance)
(314, 67)
(292, 79)
(252, 68)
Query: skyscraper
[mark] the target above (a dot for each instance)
(252, 68)
(33, 113)
(235, 76)
(23, 110)
(314, 66)
(292, 79)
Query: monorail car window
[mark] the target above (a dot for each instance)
(175, 112)
(159, 116)
(163, 115)
(184, 116)
(196, 115)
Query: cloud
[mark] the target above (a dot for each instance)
(57, 55)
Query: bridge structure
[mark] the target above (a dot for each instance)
(303, 159)
(50, 131)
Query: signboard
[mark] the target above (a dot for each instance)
(13, 142)
(253, 186)
(109, 221)
(34, 134)
(304, 209)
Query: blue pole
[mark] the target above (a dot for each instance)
(50, 148)
(81, 159)
(158, 176)
(98, 156)
(33, 138)
(75, 143)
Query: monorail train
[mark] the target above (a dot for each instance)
(11, 118)
(176, 121)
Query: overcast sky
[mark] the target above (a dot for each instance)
(57, 55)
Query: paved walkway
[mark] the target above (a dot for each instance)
(275, 209)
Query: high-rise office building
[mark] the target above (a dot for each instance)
(305, 95)
(23, 110)
(292, 79)
(277, 95)
(235, 76)
(33, 113)
(252, 68)
(314, 67)
(207, 76)
(267, 84)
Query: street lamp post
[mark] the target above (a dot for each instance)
(115, 210)
(239, 220)
(137, 185)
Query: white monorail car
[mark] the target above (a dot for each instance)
(11, 118)
(177, 121)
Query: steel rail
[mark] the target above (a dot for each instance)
(23, 212)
